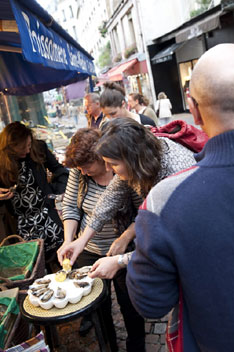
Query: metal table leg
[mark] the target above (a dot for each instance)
(100, 331)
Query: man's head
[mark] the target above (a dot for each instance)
(212, 90)
(92, 104)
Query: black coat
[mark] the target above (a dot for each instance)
(57, 185)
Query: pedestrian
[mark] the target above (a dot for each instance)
(140, 104)
(163, 107)
(113, 104)
(94, 114)
(58, 112)
(23, 164)
(88, 180)
(184, 233)
(73, 112)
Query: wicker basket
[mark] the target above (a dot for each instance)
(18, 328)
(37, 272)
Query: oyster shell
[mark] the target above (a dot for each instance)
(38, 287)
(47, 295)
(81, 284)
(39, 292)
(42, 282)
(61, 293)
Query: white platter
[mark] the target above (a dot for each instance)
(73, 293)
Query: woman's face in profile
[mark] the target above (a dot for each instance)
(23, 148)
(118, 166)
(92, 169)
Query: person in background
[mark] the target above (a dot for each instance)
(113, 104)
(87, 181)
(23, 166)
(140, 104)
(163, 107)
(94, 114)
(184, 232)
(73, 112)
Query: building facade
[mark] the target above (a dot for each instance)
(128, 47)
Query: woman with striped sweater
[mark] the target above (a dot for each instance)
(87, 182)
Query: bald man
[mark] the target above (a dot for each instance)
(184, 258)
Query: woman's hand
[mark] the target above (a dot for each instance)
(105, 268)
(70, 250)
(118, 246)
(5, 194)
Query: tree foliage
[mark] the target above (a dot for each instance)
(105, 56)
(203, 6)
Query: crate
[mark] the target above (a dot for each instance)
(37, 272)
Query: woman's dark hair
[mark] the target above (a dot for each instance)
(141, 98)
(82, 149)
(113, 95)
(135, 145)
(12, 136)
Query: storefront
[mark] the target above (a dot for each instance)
(174, 56)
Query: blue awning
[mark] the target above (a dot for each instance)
(37, 54)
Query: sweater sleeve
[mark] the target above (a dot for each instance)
(151, 277)
(111, 201)
(70, 209)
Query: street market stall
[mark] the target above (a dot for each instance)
(36, 55)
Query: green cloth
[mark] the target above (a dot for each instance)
(12, 307)
(16, 260)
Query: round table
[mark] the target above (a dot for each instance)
(89, 304)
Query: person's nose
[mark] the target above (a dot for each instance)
(83, 171)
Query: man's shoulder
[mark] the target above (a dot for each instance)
(145, 120)
(160, 193)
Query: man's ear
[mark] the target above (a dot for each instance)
(194, 109)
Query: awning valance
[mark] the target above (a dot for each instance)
(36, 54)
(203, 26)
(166, 53)
(116, 73)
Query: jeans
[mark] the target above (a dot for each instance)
(134, 323)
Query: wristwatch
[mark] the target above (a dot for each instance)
(121, 261)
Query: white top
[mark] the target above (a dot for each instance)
(164, 107)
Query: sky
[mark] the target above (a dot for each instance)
(42, 2)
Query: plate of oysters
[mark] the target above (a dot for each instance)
(59, 289)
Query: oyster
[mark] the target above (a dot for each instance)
(38, 287)
(80, 284)
(42, 282)
(80, 275)
(85, 269)
(72, 274)
(39, 292)
(47, 295)
(61, 293)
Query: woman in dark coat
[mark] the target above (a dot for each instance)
(24, 162)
